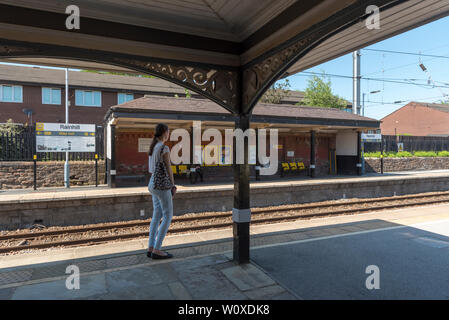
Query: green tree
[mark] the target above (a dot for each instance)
(319, 94)
(276, 93)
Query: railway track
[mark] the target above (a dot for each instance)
(201, 222)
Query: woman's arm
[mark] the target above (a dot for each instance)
(166, 157)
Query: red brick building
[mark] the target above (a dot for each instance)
(42, 91)
(335, 135)
(418, 119)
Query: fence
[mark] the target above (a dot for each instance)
(22, 146)
(411, 144)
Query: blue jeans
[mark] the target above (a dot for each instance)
(162, 208)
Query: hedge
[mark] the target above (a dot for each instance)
(406, 154)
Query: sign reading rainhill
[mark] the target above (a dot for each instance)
(61, 137)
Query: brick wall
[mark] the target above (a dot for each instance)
(417, 120)
(131, 162)
(19, 175)
(407, 164)
(32, 99)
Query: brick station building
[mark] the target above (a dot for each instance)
(42, 91)
(418, 119)
(336, 136)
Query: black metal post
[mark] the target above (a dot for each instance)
(35, 172)
(312, 154)
(105, 152)
(192, 174)
(257, 156)
(359, 153)
(111, 161)
(382, 155)
(96, 170)
(241, 213)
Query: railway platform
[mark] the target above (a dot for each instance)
(87, 205)
(313, 259)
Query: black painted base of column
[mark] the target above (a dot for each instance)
(241, 242)
(312, 173)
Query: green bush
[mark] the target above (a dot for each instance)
(372, 154)
(406, 154)
(425, 154)
(443, 154)
(403, 154)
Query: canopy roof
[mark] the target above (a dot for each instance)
(159, 109)
(230, 51)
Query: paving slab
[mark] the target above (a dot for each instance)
(57, 290)
(265, 293)
(247, 277)
(178, 291)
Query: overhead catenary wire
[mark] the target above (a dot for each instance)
(389, 80)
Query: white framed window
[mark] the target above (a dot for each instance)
(51, 96)
(88, 98)
(124, 97)
(10, 93)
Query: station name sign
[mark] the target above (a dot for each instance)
(371, 137)
(62, 137)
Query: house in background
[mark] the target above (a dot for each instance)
(418, 119)
(38, 93)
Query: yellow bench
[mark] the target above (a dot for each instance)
(182, 169)
(292, 167)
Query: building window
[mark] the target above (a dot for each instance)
(88, 98)
(125, 97)
(10, 93)
(51, 96)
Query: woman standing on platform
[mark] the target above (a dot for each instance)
(162, 188)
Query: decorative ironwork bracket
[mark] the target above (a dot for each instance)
(218, 84)
(260, 74)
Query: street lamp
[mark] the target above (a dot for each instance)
(372, 92)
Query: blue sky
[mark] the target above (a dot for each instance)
(431, 39)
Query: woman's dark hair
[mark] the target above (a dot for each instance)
(161, 128)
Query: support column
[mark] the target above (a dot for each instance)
(257, 167)
(105, 153)
(312, 154)
(241, 213)
(111, 160)
(359, 153)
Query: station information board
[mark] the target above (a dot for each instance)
(61, 137)
(371, 137)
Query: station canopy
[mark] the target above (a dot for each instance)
(230, 51)
(146, 112)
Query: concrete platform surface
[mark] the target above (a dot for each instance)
(314, 259)
(88, 205)
(28, 195)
